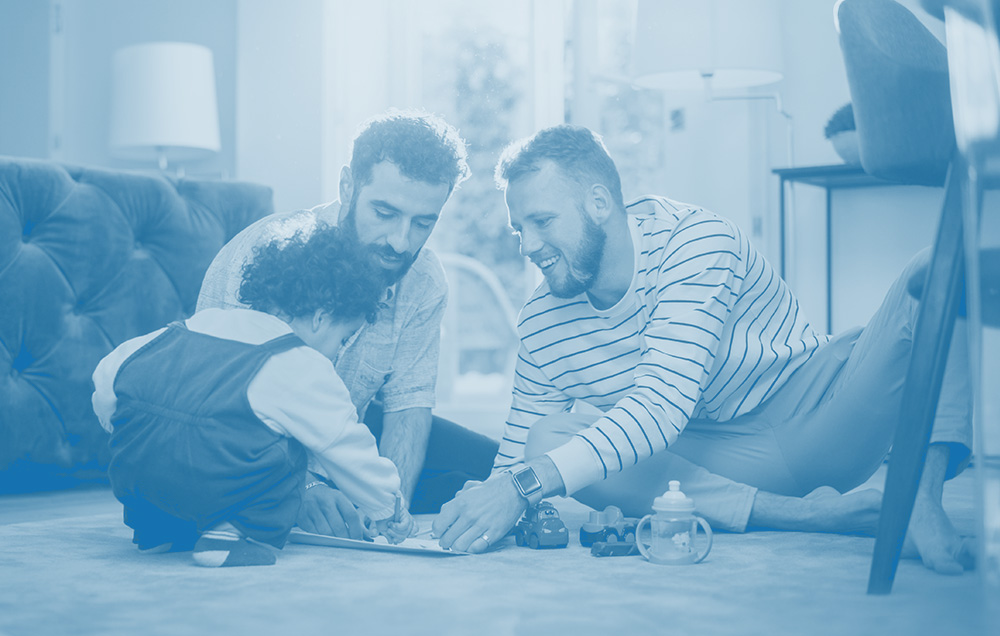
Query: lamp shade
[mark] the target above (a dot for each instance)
(681, 44)
(163, 102)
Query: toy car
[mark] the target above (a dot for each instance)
(607, 526)
(541, 527)
(614, 548)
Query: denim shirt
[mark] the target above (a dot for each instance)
(396, 357)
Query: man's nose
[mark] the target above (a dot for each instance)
(399, 237)
(529, 243)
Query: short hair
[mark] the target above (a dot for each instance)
(322, 270)
(579, 151)
(423, 146)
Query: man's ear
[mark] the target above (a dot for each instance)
(346, 188)
(598, 203)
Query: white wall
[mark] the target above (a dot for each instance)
(93, 30)
(708, 162)
(364, 59)
(310, 73)
(723, 159)
(815, 86)
(24, 86)
(875, 231)
(279, 92)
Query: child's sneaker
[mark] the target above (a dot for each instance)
(180, 545)
(222, 548)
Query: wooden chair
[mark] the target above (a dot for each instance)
(899, 80)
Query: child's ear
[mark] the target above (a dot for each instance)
(319, 320)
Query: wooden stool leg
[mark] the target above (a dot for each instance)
(931, 340)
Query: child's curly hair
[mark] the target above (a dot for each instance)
(321, 270)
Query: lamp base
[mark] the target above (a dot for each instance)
(161, 161)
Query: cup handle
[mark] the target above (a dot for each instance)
(639, 544)
(708, 533)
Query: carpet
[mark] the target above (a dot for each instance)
(81, 575)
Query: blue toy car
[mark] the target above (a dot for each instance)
(608, 526)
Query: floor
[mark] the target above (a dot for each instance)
(67, 567)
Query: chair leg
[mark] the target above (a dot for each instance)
(931, 339)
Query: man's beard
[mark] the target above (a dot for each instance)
(583, 272)
(392, 276)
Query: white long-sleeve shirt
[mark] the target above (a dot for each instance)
(706, 330)
(296, 393)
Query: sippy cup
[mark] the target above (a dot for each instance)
(673, 527)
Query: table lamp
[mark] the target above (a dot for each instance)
(710, 45)
(721, 44)
(163, 106)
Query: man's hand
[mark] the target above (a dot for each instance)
(329, 511)
(404, 443)
(479, 515)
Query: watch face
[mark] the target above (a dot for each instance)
(527, 481)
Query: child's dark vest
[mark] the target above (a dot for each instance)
(186, 440)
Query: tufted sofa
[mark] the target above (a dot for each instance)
(90, 258)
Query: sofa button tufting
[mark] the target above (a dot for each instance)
(22, 360)
(50, 357)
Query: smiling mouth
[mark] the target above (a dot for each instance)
(548, 263)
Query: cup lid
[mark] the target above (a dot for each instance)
(673, 500)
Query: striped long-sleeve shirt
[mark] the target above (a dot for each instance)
(707, 330)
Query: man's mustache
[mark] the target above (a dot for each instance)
(391, 254)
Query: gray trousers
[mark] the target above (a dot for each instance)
(830, 424)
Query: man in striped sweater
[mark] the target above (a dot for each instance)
(683, 355)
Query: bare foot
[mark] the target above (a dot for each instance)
(823, 491)
(850, 513)
(822, 510)
(932, 538)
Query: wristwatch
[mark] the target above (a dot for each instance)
(526, 482)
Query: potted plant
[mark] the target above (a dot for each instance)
(842, 134)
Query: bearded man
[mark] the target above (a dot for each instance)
(404, 167)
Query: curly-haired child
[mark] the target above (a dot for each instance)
(211, 419)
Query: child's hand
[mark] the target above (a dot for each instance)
(397, 531)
